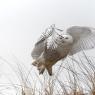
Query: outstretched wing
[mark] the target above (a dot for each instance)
(84, 38)
(40, 44)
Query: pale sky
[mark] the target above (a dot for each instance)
(22, 22)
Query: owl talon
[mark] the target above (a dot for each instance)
(41, 69)
(49, 69)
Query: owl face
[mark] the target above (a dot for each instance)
(64, 39)
(67, 39)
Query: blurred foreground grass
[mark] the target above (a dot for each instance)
(74, 76)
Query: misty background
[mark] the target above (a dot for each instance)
(23, 21)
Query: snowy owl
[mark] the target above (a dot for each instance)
(55, 44)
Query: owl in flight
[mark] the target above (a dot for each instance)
(55, 44)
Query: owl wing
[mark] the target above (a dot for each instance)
(84, 38)
(48, 40)
(40, 45)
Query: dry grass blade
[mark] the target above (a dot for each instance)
(79, 78)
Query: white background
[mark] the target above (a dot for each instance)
(22, 22)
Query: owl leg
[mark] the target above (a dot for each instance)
(49, 69)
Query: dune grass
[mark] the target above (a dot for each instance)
(74, 76)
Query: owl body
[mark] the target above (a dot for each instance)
(55, 50)
(54, 46)
(47, 60)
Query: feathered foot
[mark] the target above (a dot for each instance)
(41, 69)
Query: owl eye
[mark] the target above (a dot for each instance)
(66, 38)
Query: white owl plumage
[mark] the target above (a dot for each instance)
(55, 44)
